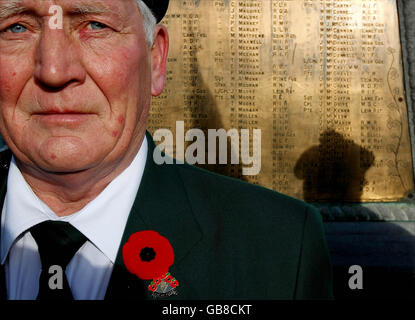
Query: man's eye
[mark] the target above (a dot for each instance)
(97, 25)
(16, 28)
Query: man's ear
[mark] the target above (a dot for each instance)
(159, 52)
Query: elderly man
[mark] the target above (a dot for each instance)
(74, 99)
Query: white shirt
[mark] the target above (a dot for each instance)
(102, 221)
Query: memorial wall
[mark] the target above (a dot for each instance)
(321, 79)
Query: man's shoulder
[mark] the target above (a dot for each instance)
(239, 199)
(264, 231)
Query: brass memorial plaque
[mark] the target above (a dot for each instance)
(321, 79)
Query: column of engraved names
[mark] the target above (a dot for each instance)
(310, 98)
(372, 87)
(338, 47)
(282, 87)
(222, 91)
(233, 65)
(310, 60)
(338, 61)
(246, 40)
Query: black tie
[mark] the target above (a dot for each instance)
(57, 241)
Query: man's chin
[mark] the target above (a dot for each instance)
(67, 155)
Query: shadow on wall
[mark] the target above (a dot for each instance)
(334, 170)
(206, 115)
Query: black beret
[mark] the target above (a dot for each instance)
(159, 7)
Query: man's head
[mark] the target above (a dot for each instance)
(78, 97)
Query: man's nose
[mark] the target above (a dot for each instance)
(58, 62)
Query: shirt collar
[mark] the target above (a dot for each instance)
(102, 220)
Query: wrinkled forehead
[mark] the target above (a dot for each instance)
(121, 9)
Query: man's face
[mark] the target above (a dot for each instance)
(76, 97)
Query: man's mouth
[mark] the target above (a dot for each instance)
(65, 117)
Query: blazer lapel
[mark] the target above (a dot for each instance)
(161, 205)
(5, 158)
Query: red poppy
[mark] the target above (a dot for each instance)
(147, 254)
(174, 283)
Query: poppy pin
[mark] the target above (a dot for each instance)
(149, 255)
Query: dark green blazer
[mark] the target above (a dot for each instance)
(231, 239)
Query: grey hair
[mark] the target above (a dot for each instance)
(149, 21)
